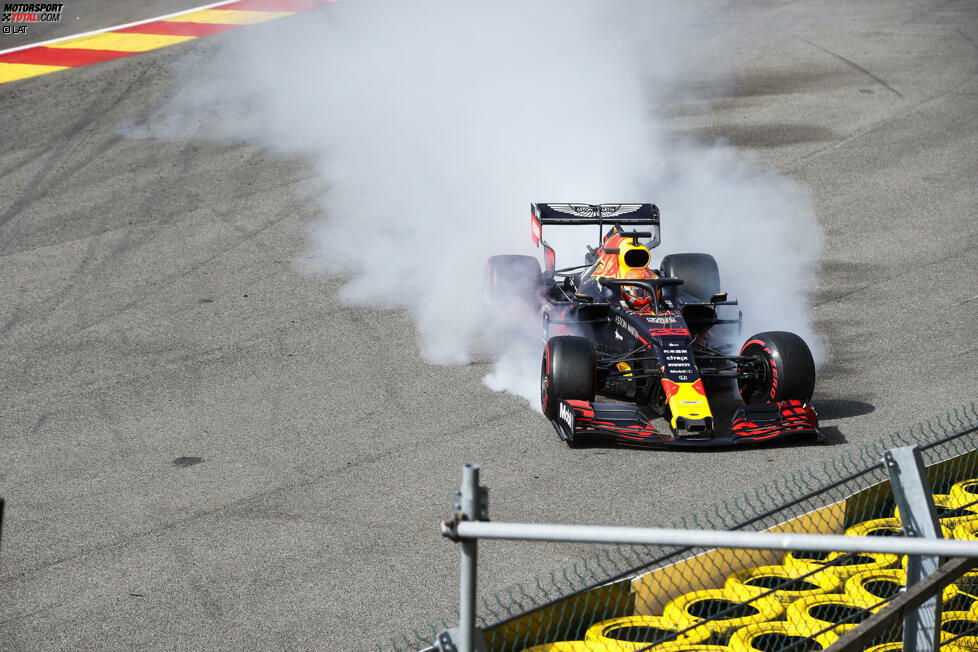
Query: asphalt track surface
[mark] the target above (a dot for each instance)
(152, 311)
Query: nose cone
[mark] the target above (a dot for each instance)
(689, 407)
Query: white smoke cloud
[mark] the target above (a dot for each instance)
(437, 122)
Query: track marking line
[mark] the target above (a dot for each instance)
(226, 17)
(117, 42)
(15, 71)
(63, 57)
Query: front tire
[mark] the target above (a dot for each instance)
(783, 365)
(567, 373)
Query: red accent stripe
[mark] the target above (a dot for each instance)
(177, 29)
(42, 56)
(670, 387)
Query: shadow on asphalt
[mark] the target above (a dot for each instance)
(841, 408)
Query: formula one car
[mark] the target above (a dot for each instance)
(646, 338)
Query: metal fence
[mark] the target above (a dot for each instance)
(674, 597)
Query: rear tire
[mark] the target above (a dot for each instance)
(567, 373)
(788, 368)
(699, 272)
(511, 279)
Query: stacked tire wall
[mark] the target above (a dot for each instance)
(801, 601)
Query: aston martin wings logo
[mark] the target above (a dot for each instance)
(590, 210)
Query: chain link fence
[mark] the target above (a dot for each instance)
(680, 598)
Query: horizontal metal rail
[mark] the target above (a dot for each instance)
(708, 538)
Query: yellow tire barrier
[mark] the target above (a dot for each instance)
(637, 632)
(704, 607)
(776, 635)
(880, 527)
(964, 493)
(955, 623)
(690, 647)
(962, 595)
(818, 612)
(567, 646)
(887, 647)
(966, 528)
(874, 586)
(842, 564)
(752, 582)
(886, 527)
(950, 513)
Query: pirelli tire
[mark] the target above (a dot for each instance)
(567, 373)
(699, 272)
(512, 279)
(783, 366)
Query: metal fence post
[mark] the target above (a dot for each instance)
(470, 502)
(911, 489)
(469, 559)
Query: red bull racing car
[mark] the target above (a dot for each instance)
(647, 339)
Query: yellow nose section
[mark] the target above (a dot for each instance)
(686, 401)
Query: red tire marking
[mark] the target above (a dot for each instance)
(760, 342)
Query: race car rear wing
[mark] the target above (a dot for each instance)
(586, 214)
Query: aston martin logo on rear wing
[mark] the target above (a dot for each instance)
(580, 214)
(599, 214)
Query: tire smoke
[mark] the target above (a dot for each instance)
(435, 124)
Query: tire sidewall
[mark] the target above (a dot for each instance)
(768, 390)
(547, 401)
(568, 372)
(789, 368)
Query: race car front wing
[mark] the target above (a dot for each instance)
(630, 425)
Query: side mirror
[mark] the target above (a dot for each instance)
(719, 297)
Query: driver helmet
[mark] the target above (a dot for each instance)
(637, 298)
